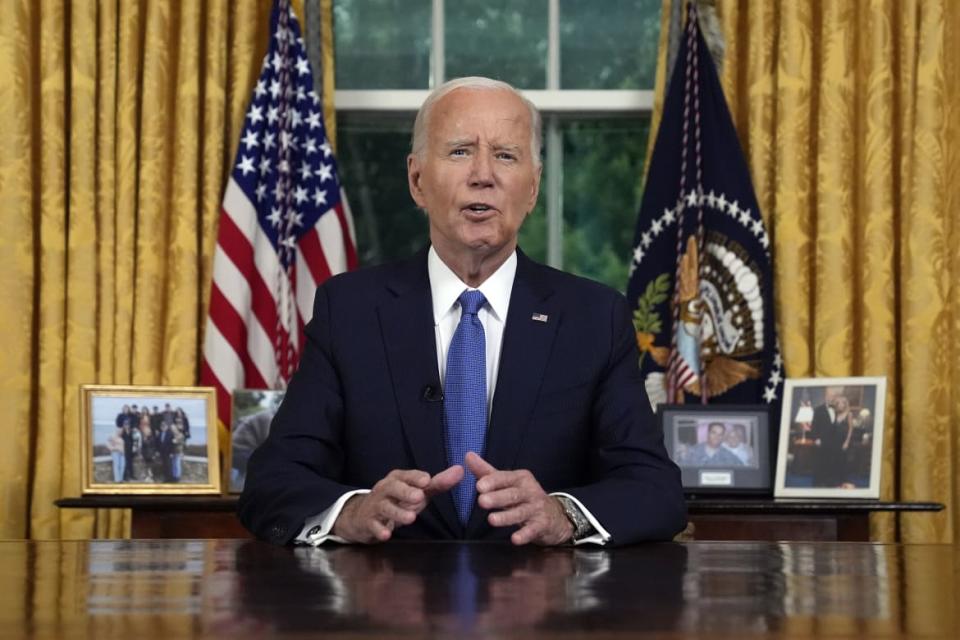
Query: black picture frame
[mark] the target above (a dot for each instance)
(741, 464)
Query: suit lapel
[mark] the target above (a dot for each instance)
(407, 326)
(527, 343)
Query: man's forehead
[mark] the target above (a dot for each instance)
(463, 105)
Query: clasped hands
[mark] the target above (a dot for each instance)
(512, 497)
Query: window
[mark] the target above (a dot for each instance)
(589, 71)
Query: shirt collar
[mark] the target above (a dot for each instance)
(446, 287)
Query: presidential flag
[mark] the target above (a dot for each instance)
(285, 227)
(701, 281)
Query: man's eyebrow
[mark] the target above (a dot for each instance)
(507, 146)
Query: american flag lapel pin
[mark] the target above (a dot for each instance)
(539, 317)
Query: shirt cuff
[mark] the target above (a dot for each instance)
(601, 536)
(316, 530)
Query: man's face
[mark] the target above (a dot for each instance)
(734, 437)
(715, 435)
(475, 177)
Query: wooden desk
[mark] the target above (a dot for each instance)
(713, 518)
(242, 588)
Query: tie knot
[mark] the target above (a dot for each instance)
(471, 301)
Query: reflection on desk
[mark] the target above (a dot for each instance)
(219, 588)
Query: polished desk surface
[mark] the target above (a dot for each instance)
(241, 588)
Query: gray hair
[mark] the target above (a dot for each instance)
(422, 123)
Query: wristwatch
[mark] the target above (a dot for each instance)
(581, 526)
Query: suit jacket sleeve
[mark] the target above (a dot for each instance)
(633, 487)
(294, 473)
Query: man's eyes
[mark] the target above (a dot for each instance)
(499, 155)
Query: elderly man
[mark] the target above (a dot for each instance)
(468, 392)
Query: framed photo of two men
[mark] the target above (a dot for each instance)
(719, 448)
(148, 440)
(831, 438)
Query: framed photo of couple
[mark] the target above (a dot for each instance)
(831, 438)
(148, 440)
(719, 448)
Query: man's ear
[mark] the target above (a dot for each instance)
(413, 180)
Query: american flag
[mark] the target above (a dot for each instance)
(285, 227)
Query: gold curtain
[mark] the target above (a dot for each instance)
(118, 124)
(849, 115)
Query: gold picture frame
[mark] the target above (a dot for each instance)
(171, 451)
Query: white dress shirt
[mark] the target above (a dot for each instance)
(445, 290)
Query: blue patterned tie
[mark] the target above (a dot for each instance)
(465, 397)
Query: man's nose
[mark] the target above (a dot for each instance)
(481, 173)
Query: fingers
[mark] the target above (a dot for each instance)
(445, 480)
(477, 465)
(515, 498)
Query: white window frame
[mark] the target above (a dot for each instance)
(553, 102)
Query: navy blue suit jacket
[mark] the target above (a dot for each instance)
(569, 405)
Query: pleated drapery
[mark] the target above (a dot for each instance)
(849, 116)
(118, 125)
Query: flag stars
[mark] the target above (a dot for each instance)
(295, 118)
(668, 216)
(305, 171)
(745, 218)
(711, 200)
(691, 199)
(274, 89)
(261, 89)
(300, 195)
(313, 96)
(656, 227)
(325, 147)
(301, 94)
(325, 172)
(721, 202)
(283, 166)
(645, 240)
(303, 67)
(256, 114)
(319, 197)
(310, 146)
(769, 394)
(757, 228)
(261, 191)
(273, 114)
(269, 140)
(638, 254)
(246, 165)
(313, 119)
(277, 61)
(264, 165)
(275, 217)
(250, 139)
(287, 140)
(295, 219)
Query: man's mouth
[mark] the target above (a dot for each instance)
(478, 208)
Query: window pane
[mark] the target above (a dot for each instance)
(533, 233)
(372, 152)
(382, 44)
(501, 39)
(602, 165)
(615, 48)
